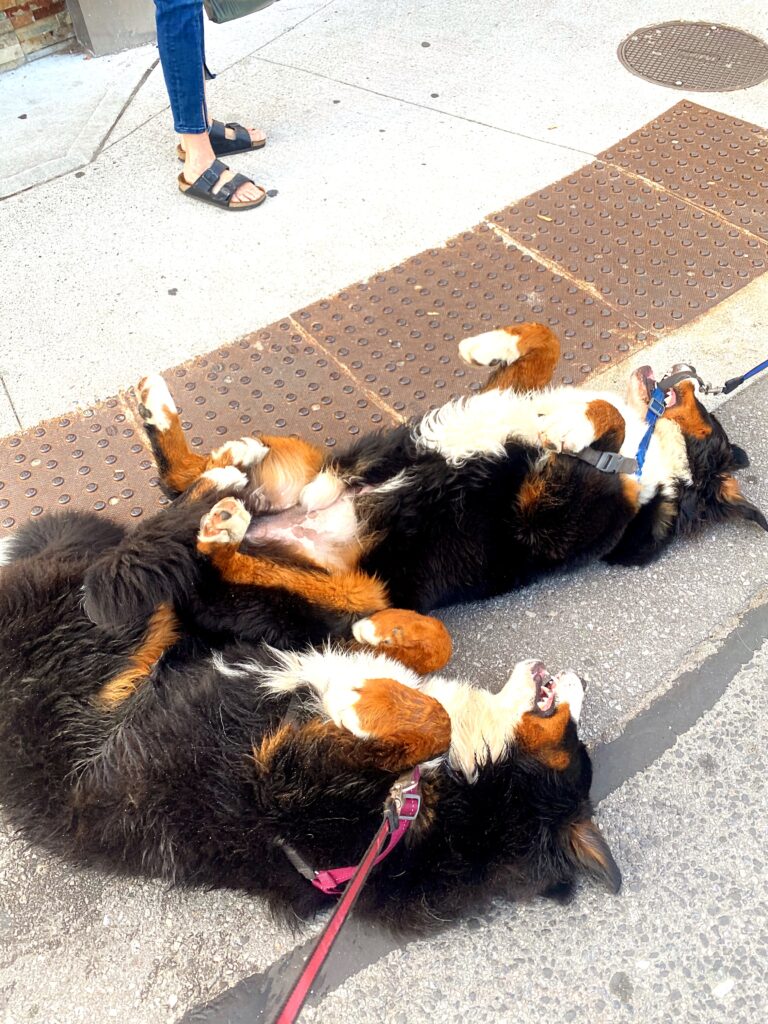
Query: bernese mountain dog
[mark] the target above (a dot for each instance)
(156, 750)
(475, 499)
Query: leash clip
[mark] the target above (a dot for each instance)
(404, 801)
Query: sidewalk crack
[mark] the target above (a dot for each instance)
(10, 402)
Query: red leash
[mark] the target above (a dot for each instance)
(392, 827)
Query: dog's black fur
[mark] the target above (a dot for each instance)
(167, 783)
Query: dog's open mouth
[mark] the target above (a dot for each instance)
(545, 690)
(648, 379)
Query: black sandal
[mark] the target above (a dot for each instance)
(222, 146)
(202, 189)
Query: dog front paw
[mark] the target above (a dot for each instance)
(418, 641)
(491, 348)
(245, 452)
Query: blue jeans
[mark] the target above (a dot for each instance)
(180, 41)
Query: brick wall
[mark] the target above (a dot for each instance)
(30, 26)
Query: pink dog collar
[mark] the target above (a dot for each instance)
(400, 809)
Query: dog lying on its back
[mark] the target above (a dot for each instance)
(475, 499)
(155, 751)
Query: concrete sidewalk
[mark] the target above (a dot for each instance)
(392, 127)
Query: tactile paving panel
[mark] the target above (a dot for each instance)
(650, 254)
(400, 330)
(711, 159)
(95, 459)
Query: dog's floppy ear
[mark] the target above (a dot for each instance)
(589, 852)
(739, 457)
(734, 503)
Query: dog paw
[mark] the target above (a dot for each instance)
(156, 405)
(490, 348)
(566, 430)
(418, 641)
(321, 492)
(247, 451)
(569, 689)
(226, 523)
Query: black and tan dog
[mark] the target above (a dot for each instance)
(476, 498)
(150, 750)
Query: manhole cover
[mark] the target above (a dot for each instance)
(696, 56)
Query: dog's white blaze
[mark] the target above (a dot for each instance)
(247, 451)
(157, 400)
(485, 348)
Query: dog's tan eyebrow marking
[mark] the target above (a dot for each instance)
(687, 414)
(161, 633)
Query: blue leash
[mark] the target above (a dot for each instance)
(656, 409)
(734, 382)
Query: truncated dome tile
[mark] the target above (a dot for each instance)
(92, 460)
(711, 159)
(658, 259)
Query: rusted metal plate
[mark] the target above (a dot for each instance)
(399, 332)
(95, 459)
(711, 159)
(651, 255)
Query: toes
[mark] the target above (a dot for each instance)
(225, 478)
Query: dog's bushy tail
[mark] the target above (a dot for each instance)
(68, 535)
(156, 563)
